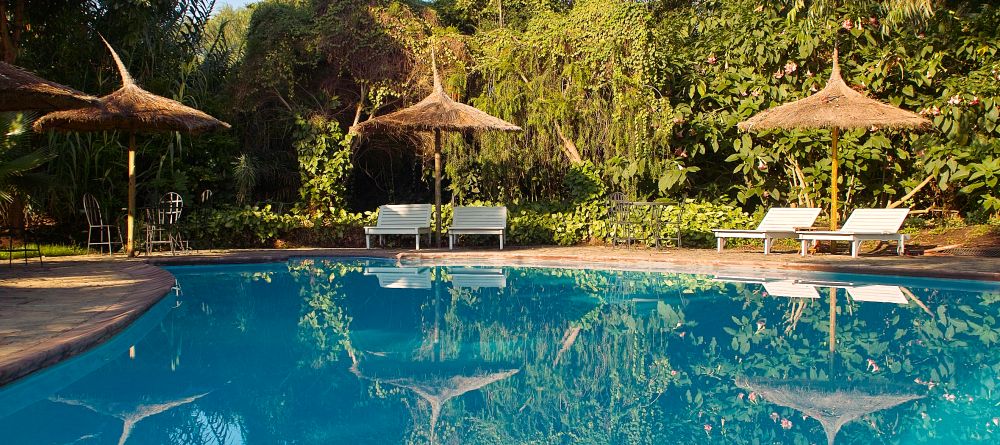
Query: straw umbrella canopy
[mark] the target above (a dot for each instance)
(21, 90)
(130, 109)
(833, 406)
(437, 112)
(837, 107)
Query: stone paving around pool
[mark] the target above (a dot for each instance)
(50, 313)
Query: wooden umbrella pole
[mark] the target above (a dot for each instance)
(834, 164)
(130, 246)
(437, 187)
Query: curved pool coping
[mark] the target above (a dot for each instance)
(678, 260)
(66, 308)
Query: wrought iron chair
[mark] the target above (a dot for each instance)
(623, 227)
(161, 224)
(95, 223)
(10, 235)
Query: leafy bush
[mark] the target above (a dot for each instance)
(528, 224)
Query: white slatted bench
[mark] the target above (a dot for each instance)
(478, 221)
(779, 222)
(401, 277)
(401, 219)
(863, 225)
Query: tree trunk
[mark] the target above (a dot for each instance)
(568, 147)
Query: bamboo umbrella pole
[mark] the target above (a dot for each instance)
(437, 186)
(834, 167)
(130, 247)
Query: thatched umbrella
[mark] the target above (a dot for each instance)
(833, 406)
(130, 109)
(837, 107)
(21, 90)
(437, 112)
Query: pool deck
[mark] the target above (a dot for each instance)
(51, 313)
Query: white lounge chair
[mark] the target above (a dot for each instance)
(401, 219)
(863, 225)
(478, 221)
(779, 222)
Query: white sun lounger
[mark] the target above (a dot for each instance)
(401, 219)
(863, 225)
(790, 289)
(478, 221)
(877, 294)
(401, 277)
(779, 222)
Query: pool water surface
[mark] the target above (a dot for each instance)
(363, 351)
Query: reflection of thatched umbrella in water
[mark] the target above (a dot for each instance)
(21, 90)
(833, 406)
(435, 383)
(437, 112)
(836, 107)
(131, 413)
(130, 109)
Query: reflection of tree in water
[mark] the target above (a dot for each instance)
(629, 357)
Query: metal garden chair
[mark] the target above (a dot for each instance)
(95, 224)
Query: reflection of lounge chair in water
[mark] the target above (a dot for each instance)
(130, 414)
(478, 278)
(877, 294)
(401, 277)
(790, 289)
(833, 406)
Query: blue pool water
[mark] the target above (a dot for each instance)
(360, 351)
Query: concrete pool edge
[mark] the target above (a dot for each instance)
(79, 315)
(941, 267)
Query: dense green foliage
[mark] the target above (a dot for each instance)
(638, 97)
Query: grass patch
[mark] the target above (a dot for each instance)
(48, 250)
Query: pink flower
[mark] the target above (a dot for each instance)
(712, 60)
(755, 93)
(996, 421)
(809, 73)
(752, 397)
(673, 372)
(774, 417)
(872, 366)
(791, 67)
(974, 101)
(778, 74)
(955, 100)
(680, 153)
(949, 397)
(761, 165)
(740, 396)
(847, 24)
(786, 424)
(814, 88)
(708, 428)
(873, 21)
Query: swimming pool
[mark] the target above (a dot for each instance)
(363, 351)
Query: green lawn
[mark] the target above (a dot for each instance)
(48, 250)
